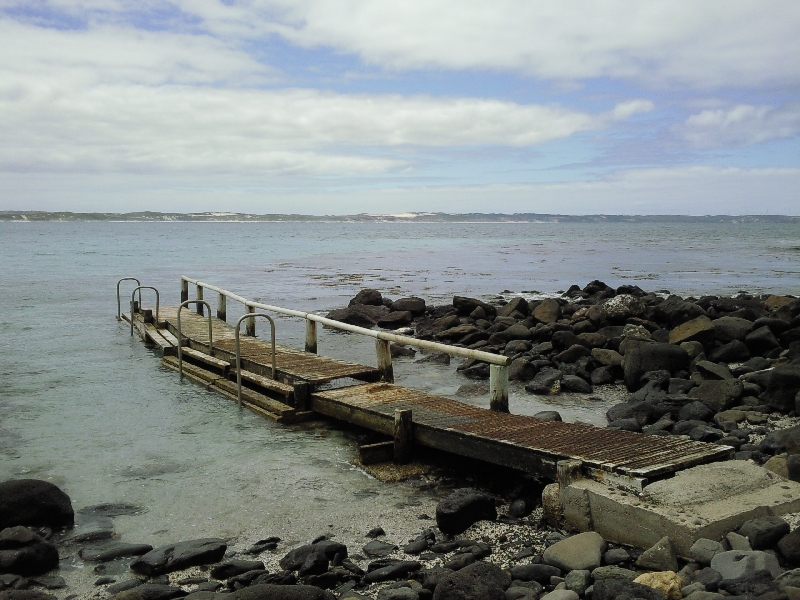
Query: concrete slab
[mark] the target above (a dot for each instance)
(706, 501)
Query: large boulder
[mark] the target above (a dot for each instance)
(622, 307)
(644, 356)
(478, 581)
(718, 395)
(548, 311)
(367, 296)
(414, 305)
(737, 564)
(761, 340)
(182, 555)
(362, 315)
(465, 306)
(660, 557)
(783, 385)
(462, 508)
(700, 329)
(22, 552)
(517, 304)
(764, 532)
(34, 502)
(728, 329)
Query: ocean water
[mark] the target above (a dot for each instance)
(88, 407)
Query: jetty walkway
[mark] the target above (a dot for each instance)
(291, 385)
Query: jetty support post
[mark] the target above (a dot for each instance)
(403, 436)
(384, 360)
(222, 307)
(302, 395)
(184, 290)
(250, 329)
(311, 336)
(200, 304)
(498, 388)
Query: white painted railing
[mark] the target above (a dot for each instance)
(498, 364)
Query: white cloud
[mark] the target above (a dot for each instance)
(714, 43)
(741, 125)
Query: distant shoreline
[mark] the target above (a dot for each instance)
(423, 217)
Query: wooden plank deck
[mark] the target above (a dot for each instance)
(516, 441)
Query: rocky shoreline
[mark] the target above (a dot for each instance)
(719, 370)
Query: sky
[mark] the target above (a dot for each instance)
(349, 106)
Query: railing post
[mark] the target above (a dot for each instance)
(311, 336)
(384, 360)
(498, 388)
(403, 436)
(222, 307)
(184, 290)
(200, 297)
(251, 323)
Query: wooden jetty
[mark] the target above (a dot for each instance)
(291, 385)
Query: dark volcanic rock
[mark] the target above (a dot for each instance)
(462, 508)
(573, 383)
(619, 589)
(393, 570)
(281, 592)
(414, 305)
(544, 381)
(764, 532)
(34, 502)
(718, 395)
(728, 329)
(395, 320)
(113, 551)
(179, 556)
(368, 296)
(465, 306)
(642, 356)
(761, 341)
(233, 567)
(783, 385)
(25, 553)
(478, 581)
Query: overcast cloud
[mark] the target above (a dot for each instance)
(341, 106)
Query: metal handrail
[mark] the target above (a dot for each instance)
(493, 359)
(180, 337)
(139, 289)
(239, 356)
(119, 304)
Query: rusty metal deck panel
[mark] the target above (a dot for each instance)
(623, 452)
(290, 362)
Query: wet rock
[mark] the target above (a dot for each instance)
(22, 552)
(361, 315)
(573, 383)
(416, 546)
(736, 564)
(545, 382)
(462, 508)
(155, 591)
(734, 351)
(521, 369)
(642, 357)
(25, 595)
(34, 502)
(517, 304)
(53, 582)
(92, 530)
(122, 586)
(175, 557)
(367, 296)
(233, 567)
(113, 551)
(479, 581)
(764, 532)
(602, 376)
(660, 557)
(620, 589)
(278, 578)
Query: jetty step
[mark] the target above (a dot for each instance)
(260, 403)
(215, 363)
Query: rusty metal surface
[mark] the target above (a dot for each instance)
(611, 450)
(290, 362)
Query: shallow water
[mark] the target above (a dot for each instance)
(88, 407)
